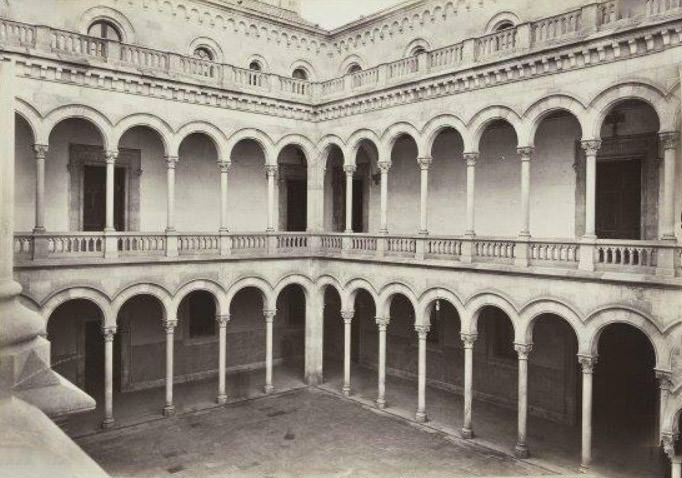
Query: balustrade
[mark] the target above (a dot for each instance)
(607, 12)
(495, 44)
(81, 244)
(198, 67)
(331, 243)
(494, 249)
(142, 244)
(446, 248)
(559, 27)
(250, 78)
(363, 244)
(17, 34)
(401, 245)
(292, 241)
(559, 252)
(445, 57)
(661, 7)
(625, 256)
(365, 78)
(402, 68)
(144, 58)
(77, 45)
(249, 242)
(189, 244)
(294, 87)
(23, 246)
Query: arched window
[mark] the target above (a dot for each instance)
(354, 68)
(504, 25)
(418, 50)
(104, 29)
(255, 66)
(203, 53)
(299, 74)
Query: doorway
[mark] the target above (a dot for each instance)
(94, 198)
(619, 199)
(297, 200)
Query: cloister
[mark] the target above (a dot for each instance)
(506, 230)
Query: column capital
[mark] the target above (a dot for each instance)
(587, 362)
(668, 440)
(669, 139)
(349, 169)
(269, 315)
(222, 320)
(384, 166)
(169, 326)
(424, 162)
(382, 322)
(469, 340)
(665, 379)
(422, 330)
(171, 161)
(471, 158)
(348, 314)
(271, 169)
(523, 350)
(224, 166)
(41, 150)
(110, 156)
(526, 152)
(591, 146)
(109, 332)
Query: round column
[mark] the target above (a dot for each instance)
(587, 364)
(109, 333)
(349, 169)
(471, 160)
(526, 155)
(384, 168)
(422, 332)
(468, 340)
(269, 319)
(169, 327)
(41, 155)
(424, 164)
(382, 324)
(271, 173)
(171, 161)
(224, 167)
(222, 321)
(347, 321)
(521, 448)
(669, 143)
(591, 148)
(110, 158)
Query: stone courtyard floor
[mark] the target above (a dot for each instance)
(301, 433)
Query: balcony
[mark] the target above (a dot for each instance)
(634, 261)
(594, 20)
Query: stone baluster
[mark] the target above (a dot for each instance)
(422, 333)
(382, 324)
(349, 169)
(169, 327)
(587, 363)
(109, 333)
(347, 321)
(41, 155)
(521, 448)
(222, 321)
(424, 164)
(468, 340)
(269, 319)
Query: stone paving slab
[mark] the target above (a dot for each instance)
(302, 433)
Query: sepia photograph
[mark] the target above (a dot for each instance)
(340, 238)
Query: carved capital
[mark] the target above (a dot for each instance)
(222, 320)
(224, 166)
(382, 323)
(669, 140)
(347, 314)
(665, 379)
(469, 340)
(384, 166)
(349, 169)
(171, 161)
(271, 170)
(424, 163)
(169, 326)
(41, 150)
(591, 146)
(108, 333)
(523, 350)
(526, 153)
(587, 362)
(471, 159)
(668, 441)
(110, 156)
(422, 331)
(269, 315)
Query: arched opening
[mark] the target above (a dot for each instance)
(76, 157)
(366, 180)
(335, 191)
(353, 68)
(300, 74)
(503, 25)
(196, 176)
(104, 29)
(447, 184)
(557, 146)
(204, 53)
(247, 191)
(628, 173)
(403, 187)
(293, 189)
(333, 336)
(625, 408)
(498, 181)
(24, 176)
(255, 66)
(363, 351)
(289, 334)
(418, 50)
(141, 149)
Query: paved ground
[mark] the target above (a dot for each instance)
(302, 433)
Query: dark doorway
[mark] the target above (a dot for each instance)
(94, 358)
(297, 200)
(95, 199)
(619, 199)
(358, 201)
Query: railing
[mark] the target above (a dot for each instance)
(661, 7)
(630, 257)
(17, 34)
(250, 78)
(365, 78)
(445, 57)
(294, 86)
(556, 28)
(77, 45)
(198, 67)
(495, 44)
(402, 68)
(333, 86)
(145, 58)
(607, 12)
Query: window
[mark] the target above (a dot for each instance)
(300, 74)
(255, 66)
(203, 53)
(104, 29)
(354, 68)
(504, 25)
(201, 315)
(418, 50)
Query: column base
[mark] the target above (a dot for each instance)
(346, 390)
(38, 230)
(423, 232)
(221, 400)
(169, 410)
(521, 451)
(108, 423)
(268, 389)
(584, 469)
(381, 403)
(420, 416)
(467, 433)
(383, 232)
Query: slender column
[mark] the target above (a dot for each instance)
(222, 321)
(171, 161)
(382, 324)
(108, 333)
(169, 326)
(384, 167)
(349, 169)
(347, 320)
(526, 155)
(422, 332)
(110, 159)
(591, 148)
(224, 168)
(676, 467)
(469, 340)
(521, 449)
(675, 460)
(665, 385)
(669, 142)
(587, 362)
(471, 160)
(424, 164)
(41, 154)
(269, 318)
(271, 172)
